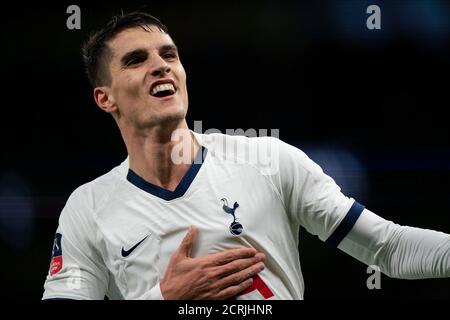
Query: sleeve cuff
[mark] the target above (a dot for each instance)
(153, 294)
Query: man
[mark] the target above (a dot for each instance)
(124, 234)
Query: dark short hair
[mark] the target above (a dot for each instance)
(96, 53)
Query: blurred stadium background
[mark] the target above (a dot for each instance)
(368, 106)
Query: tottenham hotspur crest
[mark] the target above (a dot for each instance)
(235, 227)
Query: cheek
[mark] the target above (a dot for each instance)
(180, 72)
(127, 88)
(132, 87)
(182, 76)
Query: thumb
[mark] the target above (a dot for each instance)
(187, 243)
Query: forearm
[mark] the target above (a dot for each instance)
(399, 251)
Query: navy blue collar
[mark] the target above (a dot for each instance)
(182, 187)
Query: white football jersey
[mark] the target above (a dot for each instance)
(117, 233)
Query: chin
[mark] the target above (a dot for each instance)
(169, 118)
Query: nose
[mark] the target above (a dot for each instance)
(159, 67)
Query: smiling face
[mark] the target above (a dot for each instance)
(148, 82)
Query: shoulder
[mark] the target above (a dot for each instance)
(91, 196)
(238, 147)
(269, 155)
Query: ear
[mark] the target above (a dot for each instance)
(104, 99)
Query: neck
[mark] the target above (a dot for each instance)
(155, 156)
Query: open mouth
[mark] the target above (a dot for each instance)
(161, 90)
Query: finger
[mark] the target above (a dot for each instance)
(187, 243)
(221, 258)
(233, 291)
(238, 265)
(241, 276)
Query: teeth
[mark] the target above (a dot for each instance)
(163, 87)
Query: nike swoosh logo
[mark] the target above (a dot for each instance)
(126, 253)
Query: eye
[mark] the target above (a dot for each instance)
(169, 55)
(135, 61)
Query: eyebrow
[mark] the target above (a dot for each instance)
(140, 51)
(169, 47)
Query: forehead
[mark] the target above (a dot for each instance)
(137, 38)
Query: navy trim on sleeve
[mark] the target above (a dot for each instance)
(345, 226)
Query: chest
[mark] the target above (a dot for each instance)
(141, 232)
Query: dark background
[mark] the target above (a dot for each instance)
(367, 105)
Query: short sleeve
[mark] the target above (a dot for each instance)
(311, 197)
(76, 269)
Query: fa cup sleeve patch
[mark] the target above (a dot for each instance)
(57, 261)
